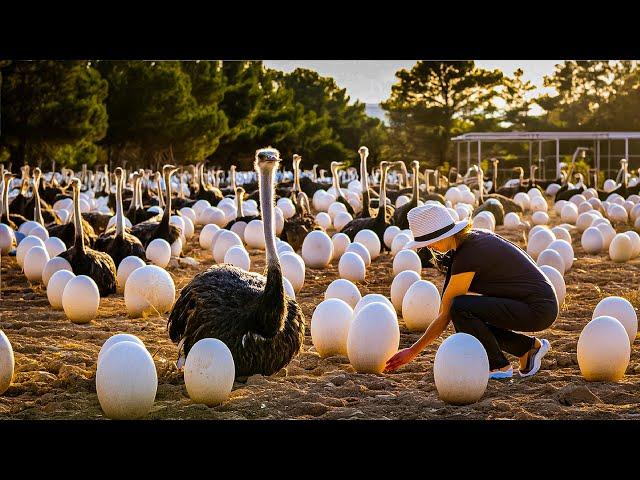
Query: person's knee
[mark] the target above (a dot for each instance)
(458, 311)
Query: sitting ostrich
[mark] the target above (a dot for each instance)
(150, 230)
(400, 214)
(249, 312)
(379, 223)
(10, 219)
(116, 242)
(84, 260)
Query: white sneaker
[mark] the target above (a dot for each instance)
(498, 375)
(536, 359)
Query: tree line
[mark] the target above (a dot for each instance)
(138, 112)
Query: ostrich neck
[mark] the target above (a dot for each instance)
(267, 177)
(5, 199)
(77, 220)
(37, 213)
(107, 177)
(167, 208)
(495, 176)
(119, 215)
(382, 203)
(336, 183)
(426, 181)
(161, 195)
(240, 213)
(181, 191)
(364, 183)
(416, 181)
(296, 176)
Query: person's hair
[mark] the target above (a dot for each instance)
(462, 235)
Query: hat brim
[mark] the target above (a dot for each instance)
(459, 226)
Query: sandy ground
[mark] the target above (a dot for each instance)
(56, 359)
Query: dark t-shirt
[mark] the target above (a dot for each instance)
(502, 269)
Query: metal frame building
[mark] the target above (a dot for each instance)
(540, 137)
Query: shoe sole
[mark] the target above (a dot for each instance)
(537, 359)
(501, 375)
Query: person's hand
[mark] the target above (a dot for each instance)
(402, 357)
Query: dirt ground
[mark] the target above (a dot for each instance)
(56, 359)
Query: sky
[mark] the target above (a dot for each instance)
(370, 81)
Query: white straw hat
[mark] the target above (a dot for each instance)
(431, 223)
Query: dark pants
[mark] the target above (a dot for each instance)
(492, 321)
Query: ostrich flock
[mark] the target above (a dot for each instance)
(90, 234)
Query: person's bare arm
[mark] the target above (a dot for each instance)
(458, 285)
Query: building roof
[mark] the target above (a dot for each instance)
(543, 136)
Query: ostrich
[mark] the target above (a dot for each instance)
(336, 185)
(240, 216)
(150, 230)
(437, 197)
(84, 260)
(378, 223)
(364, 181)
(298, 226)
(182, 201)
(249, 312)
(400, 214)
(491, 204)
(507, 203)
(49, 216)
(13, 220)
(579, 187)
(116, 242)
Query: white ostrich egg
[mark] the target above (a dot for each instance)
(54, 246)
(335, 208)
(40, 232)
(55, 287)
(54, 265)
(389, 234)
(149, 290)
(635, 243)
(401, 200)
(420, 305)
(189, 228)
(511, 221)
(592, 240)
(406, 260)
(112, 222)
(622, 310)
(557, 280)
(453, 195)
(585, 220)
(562, 233)
(351, 267)
(399, 242)
(552, 189)
(127, 265)
(552, 258)
(539, 241)
(559, 205)
(523, 200)
(370, 240)
(372, 298)
(288, 288)
(7, 238)
(608, 233)
(461, 369)
(7, 363)
(293, 269)
(341, 220)
(189, 213)
(117, 338)
(454, 213)
(238, 257)
(584, 207)
(27, 244)
(609, 185)
(176, 247)
(344, 290)
(361, 250)
(34, 263)
(603, 350)
(213, 215)
(209, 372)
(400, 285)
(254, 234)
(224, 241)
(317, 249)
(27, 226)
(565, 250)
(539, 204)
(206, 235)
(577, 199)
(324, 220)
(287, 207)
(373, 338)
(158, 252)
(126, 381)
(178, 221)
(80, 299)
(330, 325)
(620, 248)
(569, 213)
(540, 218)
